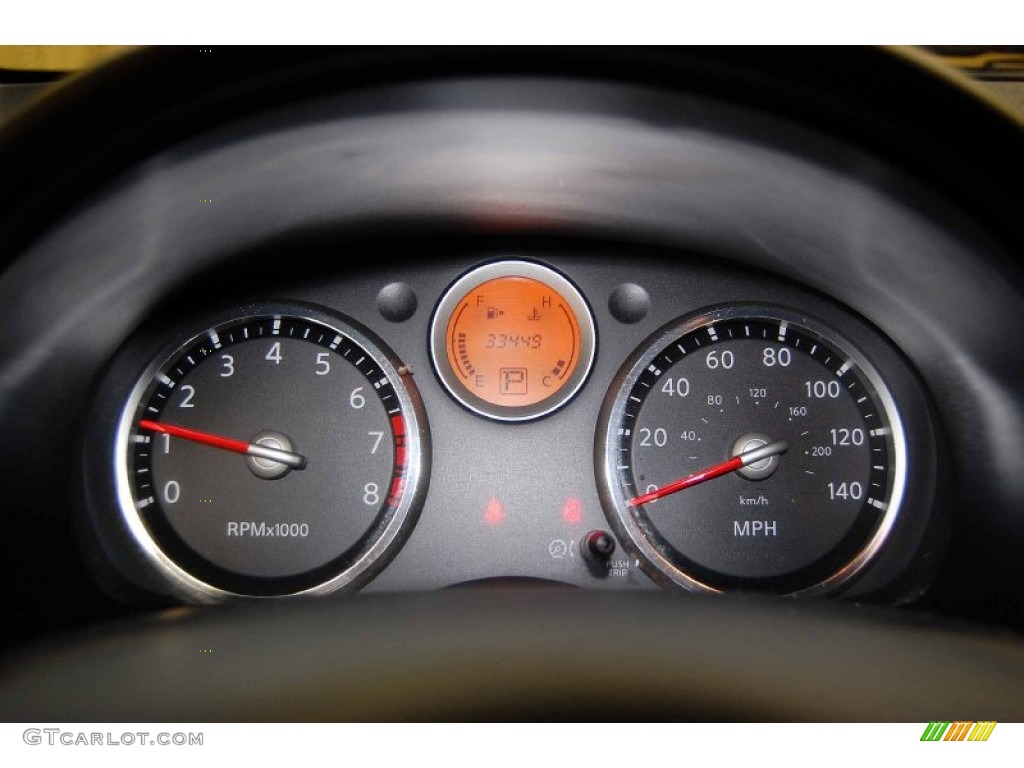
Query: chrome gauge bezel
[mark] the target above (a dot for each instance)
(651, 560)
(475, 277)
(387, 538)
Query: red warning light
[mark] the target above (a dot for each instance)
(494, 513)
(572, 511)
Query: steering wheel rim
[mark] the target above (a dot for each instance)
(554, 654)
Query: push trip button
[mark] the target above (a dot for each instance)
(597, 546)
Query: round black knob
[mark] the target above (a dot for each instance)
(597, 546)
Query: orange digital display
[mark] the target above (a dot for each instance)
(513, 341)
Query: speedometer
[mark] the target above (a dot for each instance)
(754, 448)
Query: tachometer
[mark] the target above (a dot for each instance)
(751, 447)
(277, 452)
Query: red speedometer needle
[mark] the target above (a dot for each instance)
(288, 458)
(710, 473)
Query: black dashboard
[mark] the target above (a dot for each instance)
(861, 443)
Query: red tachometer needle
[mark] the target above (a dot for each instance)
(288, 458)
(709, 473)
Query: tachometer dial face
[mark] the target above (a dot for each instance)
(751, 448)
(512, 340)
(276, 453)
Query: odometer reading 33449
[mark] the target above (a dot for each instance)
(751, 448)
(279, 452)
(512, 340)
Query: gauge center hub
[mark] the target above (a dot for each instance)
(268, 469)
(758, 470)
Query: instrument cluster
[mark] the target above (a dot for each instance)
(610, 422)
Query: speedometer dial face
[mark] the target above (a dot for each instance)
(279, 452)
(751, 448)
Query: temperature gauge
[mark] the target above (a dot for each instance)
(512, 340)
